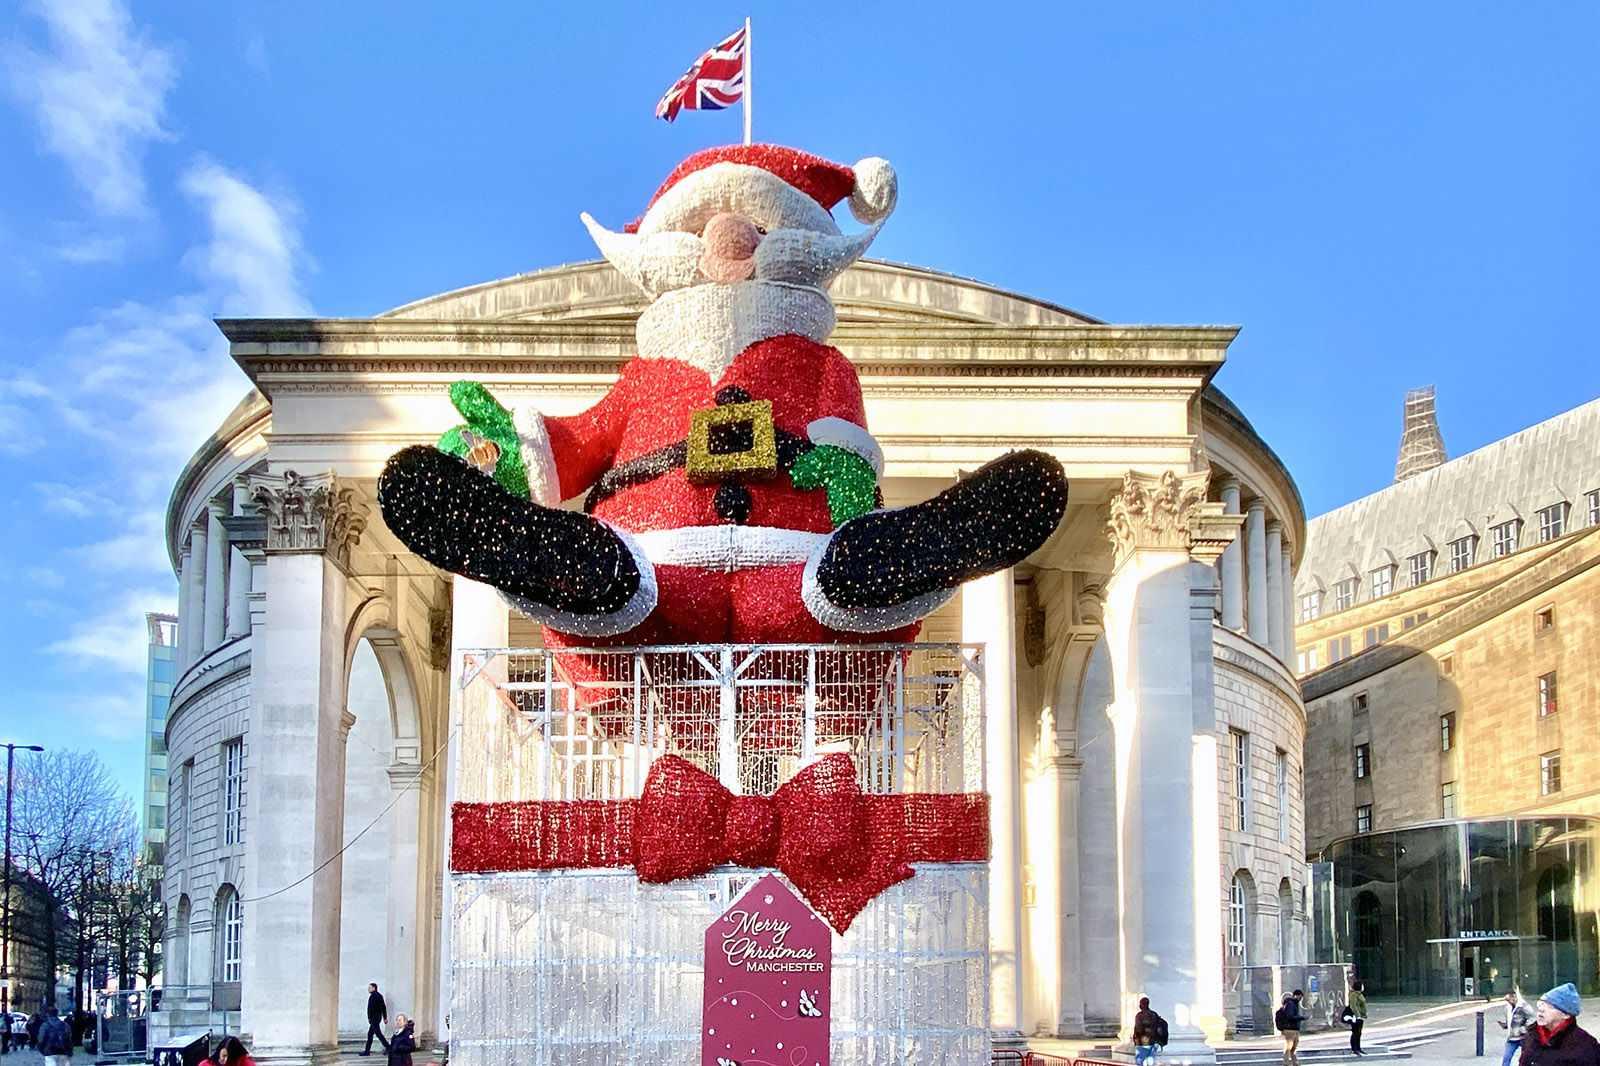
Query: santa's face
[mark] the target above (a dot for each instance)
(731, 224)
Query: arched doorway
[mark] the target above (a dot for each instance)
(1286, 947)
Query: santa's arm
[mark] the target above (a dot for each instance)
(846, 461)
(565, 455)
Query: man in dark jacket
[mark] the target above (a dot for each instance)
(1555, 1039)
(1149, 1033)
(1287, 1020)
(55, 1039)
(377, 1014)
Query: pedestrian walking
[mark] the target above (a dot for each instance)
(1149, 1033)
(1555, 1039)
(1287, 1020)
(404, 1042)
(1518, 1017)
(1358, 1015)
(55, 1039)
(377, 1014)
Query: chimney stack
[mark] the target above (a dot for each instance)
(1421, 446)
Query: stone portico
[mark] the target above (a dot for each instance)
(1143, 641)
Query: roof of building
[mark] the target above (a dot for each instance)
(1512, 479)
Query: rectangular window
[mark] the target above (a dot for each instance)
(1593, 499)
(1344, 594)
(1382, 581)
(186, 797)
(1359, 702)
(233, 791)
(1241, 778)
(1549, 773)
(1311, 606)
(1364, 818)
(1547, 694)
(1421, 567)
(1376, 635)
(1236, 916)
(1545, 620)
(1551, 520)
(1460, 554)
(1504, 538)
(1363, 761)
(1338, 648)
(1447, 732)
(1283, 796)
(1447, 800)
(1447, 665)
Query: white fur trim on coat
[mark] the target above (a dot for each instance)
(864, 619)
(842, 433)
(729, 547)
(544, 484)
(708, 325)
(757, 193)
(624, 618)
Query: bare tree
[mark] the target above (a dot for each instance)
(67, 812)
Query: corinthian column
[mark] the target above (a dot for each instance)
(1160, 526)
(296, 776)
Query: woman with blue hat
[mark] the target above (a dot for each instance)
(1555, 1039)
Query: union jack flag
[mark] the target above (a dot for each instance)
(714, 82)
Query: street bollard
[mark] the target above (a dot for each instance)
(1480, 1034)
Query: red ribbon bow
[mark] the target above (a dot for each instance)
(839, 846)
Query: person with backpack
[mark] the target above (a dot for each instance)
(1357, 1006)
(1149, 1033)
(1518, 1017)
(403, 1042)
(1287, 1020)
(55, 1039)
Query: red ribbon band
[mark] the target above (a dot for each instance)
(838, 845)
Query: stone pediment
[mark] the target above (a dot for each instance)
(868, 292)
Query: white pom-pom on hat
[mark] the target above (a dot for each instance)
(876, 190)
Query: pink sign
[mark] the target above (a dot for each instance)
(769, 960)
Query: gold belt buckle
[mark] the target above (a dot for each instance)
(733, 441)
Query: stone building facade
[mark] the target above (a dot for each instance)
(308, 735)
(1459, 607)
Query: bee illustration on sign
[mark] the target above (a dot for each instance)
(726, 1062)
(808, 1004)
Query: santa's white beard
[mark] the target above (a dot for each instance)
(708, 325)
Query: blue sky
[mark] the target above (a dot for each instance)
(1382, 196)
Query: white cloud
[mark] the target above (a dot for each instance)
(99, 97)
(44, 577)
(72, 502)
(115, 714)
(116, 636)
(254, 250)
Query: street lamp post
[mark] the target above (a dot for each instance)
(5, 935)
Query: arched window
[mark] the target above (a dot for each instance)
(177, 966)
(230, 935)
(1285, 922)
(1240, 914)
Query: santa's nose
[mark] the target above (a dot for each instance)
(728, 247)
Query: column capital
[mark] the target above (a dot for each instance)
(1168, 512)
(1257, 505)
(309, 514)
(1275, 525)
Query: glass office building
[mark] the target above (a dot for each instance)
(1463, 907)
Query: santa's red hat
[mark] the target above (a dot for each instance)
(770, 179)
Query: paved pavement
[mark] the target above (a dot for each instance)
(1429, 1031)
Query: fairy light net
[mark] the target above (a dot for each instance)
(591, 965)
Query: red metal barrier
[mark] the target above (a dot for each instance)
(1006, 1057)
(1039, 1058)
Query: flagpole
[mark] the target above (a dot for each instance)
(747, 79)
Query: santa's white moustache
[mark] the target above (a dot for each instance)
(663, 262)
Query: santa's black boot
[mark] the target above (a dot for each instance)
(993, 518)
(453, 516)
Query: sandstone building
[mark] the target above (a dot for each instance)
(1445, 641)
(309, 725)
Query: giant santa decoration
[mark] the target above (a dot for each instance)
(729, 482)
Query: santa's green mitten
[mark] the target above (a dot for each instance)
(850, 481)
(489, 440)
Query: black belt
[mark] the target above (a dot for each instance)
(644, 469)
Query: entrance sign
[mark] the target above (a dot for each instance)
(768, 997)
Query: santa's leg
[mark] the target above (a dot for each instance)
(561, 568)
(883, 569)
